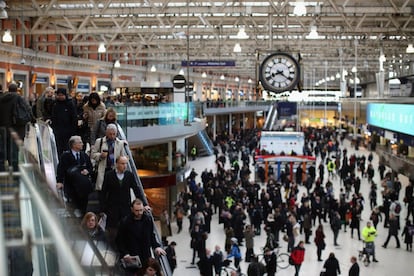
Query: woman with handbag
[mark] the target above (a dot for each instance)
(320, 241)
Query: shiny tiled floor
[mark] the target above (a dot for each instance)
(392, 261)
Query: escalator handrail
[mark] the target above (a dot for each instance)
(52, 142)
(131, 166)
(269, 117)
(55, 230)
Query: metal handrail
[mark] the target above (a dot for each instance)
(131, 167)
(72, 265)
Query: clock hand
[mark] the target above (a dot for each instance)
(278, 72)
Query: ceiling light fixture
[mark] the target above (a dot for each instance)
(102, 48)
(300, 8)
(382, 59)
(237, 48)
(3, 14)
(117, 64)
(222, 77)
(354, 69)
(7, 36)
(410, 49)
(153, 68)
(338, 75)
(236, 79)
(204, 75)
(181, 72)
(242, 34)
(249, 80)
(313, 33)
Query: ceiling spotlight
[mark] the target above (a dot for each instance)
(204, 75)
(338, 75)
(237, 48)
(249, 80)
(153, 68)
(126, 56)
(117, 64)
(222, 77)
(410, 49)
(7, 36)
(236, 79)
(102, 48)
(300, 8)
(354, 69)
(3, 14)
(242, 34)
(313, 33)
(181, 72)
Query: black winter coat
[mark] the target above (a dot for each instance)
(115, 198)
(332, 267)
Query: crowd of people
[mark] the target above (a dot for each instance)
(247, 207)
(93, 161)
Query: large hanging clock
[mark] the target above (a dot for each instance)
(279, 72)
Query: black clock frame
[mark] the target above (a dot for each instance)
(274, 89)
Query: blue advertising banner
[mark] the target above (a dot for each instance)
(209, 63)
(395, 117)
(286, 109)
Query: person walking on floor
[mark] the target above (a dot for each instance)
(332, 266)
(354, 269)
(392, 231)
(320, 241)
(336, 225)
(408, 233)
(298, 255)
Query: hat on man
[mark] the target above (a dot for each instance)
(234, 240)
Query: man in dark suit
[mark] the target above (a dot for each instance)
(73, 175)
(115, 197)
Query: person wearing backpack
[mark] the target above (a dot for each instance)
(15, 113)
(297, 256)
(395, 209)
(408, 233)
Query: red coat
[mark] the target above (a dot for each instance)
(298, 255)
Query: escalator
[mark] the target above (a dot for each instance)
(203, 143)
(29, 202)
(271, 117)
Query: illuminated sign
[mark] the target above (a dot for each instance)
(395, 117)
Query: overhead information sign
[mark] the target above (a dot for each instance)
(395, 117)
(207, 63)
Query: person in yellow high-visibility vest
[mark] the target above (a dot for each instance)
(193, 152)
(368, 234)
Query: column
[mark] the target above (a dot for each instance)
(214, 127)
(170, 157)
(230, 122)
(255, 119)
(199, 91)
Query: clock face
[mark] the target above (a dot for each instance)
(279, 72)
